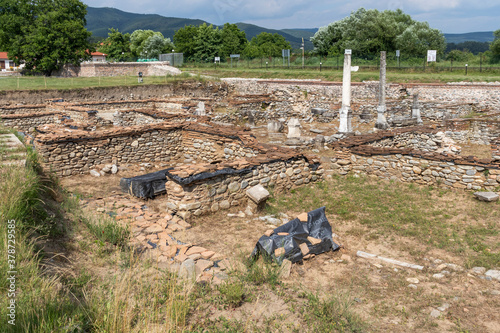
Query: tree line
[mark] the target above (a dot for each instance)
(47, 34)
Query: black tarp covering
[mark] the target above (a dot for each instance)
(317, 226)
(145, 186)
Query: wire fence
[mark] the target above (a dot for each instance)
(336, 63)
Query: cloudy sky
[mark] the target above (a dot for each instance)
(449, 16)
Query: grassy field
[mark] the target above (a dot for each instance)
(402, 76)
(430, 75)
(41, 82)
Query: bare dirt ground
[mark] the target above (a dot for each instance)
(387, 297)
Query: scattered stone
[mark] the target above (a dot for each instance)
(435, 313)
(279, 252)
(366, 255)
(154, 229)
(313, 241)
(438, 276)
(304, 249)
(412, 286)
(201, 265)
(487, 196)
(195, 249)
(187, 269)
(269, 232)
(444, 307)
(494, 274)
(258, 194)
(207, 254)
(285, 268)
(413, 280)
(302, 217)
(95, 173)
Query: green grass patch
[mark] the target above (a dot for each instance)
(404, 210)
(59, 83)
(332, 314)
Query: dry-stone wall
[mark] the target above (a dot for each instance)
(27, 122)
(206, 147)
(22, 109)
(227, 190)
(95, 69)
(407, 168)
(82, 151)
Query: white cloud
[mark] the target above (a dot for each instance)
(278, 14)
(431, 5)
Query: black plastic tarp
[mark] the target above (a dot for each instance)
(317, 226)
(145, 186)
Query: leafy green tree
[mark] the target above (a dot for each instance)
(267, 45)
(44, 34)
(234, 40)
(368, 32)
(472, 46)
(495, 45)
(117, 46)
(208, 43)
(184, 40)
(137, 39)
(457, 55)
(149, 43)
(418, 38)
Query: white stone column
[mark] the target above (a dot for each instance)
(381, 108)
(345, 111)
(415, 110)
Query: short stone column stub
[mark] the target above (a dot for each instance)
(415, 110)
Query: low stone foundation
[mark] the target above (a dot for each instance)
(197, 195)
(409, 156)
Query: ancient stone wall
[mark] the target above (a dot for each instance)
(407, 168)
(208, 147)
(421, 154)
(27, 122)
(81, 151)
(21, 109)
(223, 191)
(94, 69)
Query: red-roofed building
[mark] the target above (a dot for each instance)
(5, 63)
(98, 56)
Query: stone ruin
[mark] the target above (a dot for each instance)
(193, 132)
(210, 164)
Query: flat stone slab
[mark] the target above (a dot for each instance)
(258, 193)
(487, 196)
(495, 274)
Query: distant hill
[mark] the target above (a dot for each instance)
(482, 36)
(253, 30)
(301, 33)
(99, 20)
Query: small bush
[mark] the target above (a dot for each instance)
(262, 271)
(233, 292)
(333, 314)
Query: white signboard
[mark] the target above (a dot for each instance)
(397, 53)
(354, 68)
(347, 51)
(217, 59)
(431, 55)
